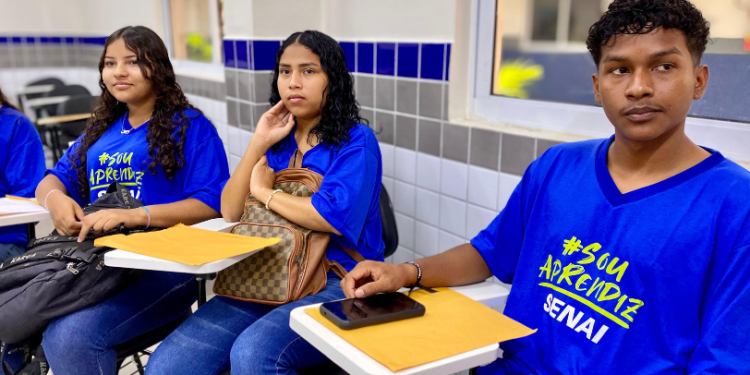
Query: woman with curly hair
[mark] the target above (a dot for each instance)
(145, 135)
(314, 117)
(21, 169)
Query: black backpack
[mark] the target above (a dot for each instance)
(58, 276)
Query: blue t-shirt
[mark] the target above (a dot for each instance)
(349, 197)
(124, 158)
(656, 280)
(21, 165)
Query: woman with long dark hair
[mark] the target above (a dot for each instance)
(314, 117)
(145, 135)
(21, 169)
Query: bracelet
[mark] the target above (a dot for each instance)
(271, 196)
(149, 216)
(45, 198)
(419, 271)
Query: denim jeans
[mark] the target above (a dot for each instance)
(10, 250)
(255, 338)
(82, 342)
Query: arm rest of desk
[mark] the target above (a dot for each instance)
(217, 225)
(63, 119)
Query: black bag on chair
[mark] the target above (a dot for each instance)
(58, 276)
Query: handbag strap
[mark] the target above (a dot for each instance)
(296, 160)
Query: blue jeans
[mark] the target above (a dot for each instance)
(10, 250)
(255, 338)
(82, 342)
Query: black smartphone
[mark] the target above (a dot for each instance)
(380, 308)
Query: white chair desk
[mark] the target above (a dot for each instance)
(356, 362)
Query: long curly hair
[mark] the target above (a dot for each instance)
(644, 16)
(164, 149)
(4, 101)
(340, 110)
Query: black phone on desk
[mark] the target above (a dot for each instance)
(380, 308)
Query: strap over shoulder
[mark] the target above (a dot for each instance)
(296, 160)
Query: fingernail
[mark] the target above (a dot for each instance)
(359, 293)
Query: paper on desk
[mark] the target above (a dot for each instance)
(17, 205)
(452, 324)
(187, 245)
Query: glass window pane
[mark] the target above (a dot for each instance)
(544, 24)
(191, 30)
(583, 14)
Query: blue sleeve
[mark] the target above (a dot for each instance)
(66, 173)
(206, 170)
(25, 161)
(500, 243)
(346, 193)
(724, 347)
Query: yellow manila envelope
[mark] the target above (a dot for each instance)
(452, 324)
(186, 245)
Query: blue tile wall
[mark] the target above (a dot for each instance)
(386, 56)
(447, 61)
(432, 61)
(408, 60)
(365, 58)
(43, 40)
(229, 59)
(3, 40)
(264, 54)
(349, 53)
(16, 40)
(241, 53)
(383, 58)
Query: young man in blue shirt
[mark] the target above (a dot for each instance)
(628, 254)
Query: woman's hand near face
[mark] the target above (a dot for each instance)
(273, 126)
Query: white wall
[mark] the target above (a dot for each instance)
(78, 17)
(391, 20)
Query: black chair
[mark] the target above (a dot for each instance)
(72, 91)
(390, 238)
(71, 130)
(43, 82)
(138, 346)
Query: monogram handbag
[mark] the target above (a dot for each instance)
(293, 268)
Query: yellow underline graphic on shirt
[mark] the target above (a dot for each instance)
(121, 183)
(588, 303)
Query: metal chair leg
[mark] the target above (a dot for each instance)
(138, 364)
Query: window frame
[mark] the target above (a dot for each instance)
(731, 138)
(216, 36)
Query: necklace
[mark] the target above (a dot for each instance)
(127, 131)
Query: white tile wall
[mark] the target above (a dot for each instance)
(404, 200)
(453, 179)
(235, 141)
(389, 187)
(453, 215)
(508, 183)
(402, 255)
(477, 218)
(386, 155)
(428, 207)
(244, 140)
(405, 165)
(449, 241)
(428, 171)
(483, 187)
(234, 161)
(405, 227)
(426, 240)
